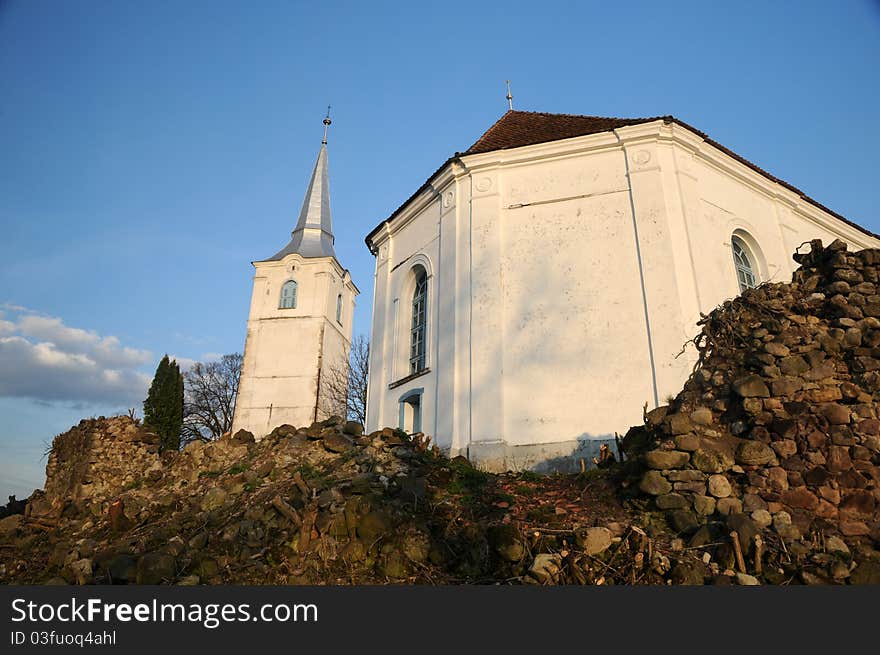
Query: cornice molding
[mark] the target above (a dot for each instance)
(429, 194)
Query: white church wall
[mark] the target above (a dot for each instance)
(658, 252)
(334, 362)
(278, 365)
(733, 199)
(570, 287)
(486, 335)
(565, 279)
(334, 335)
(445, 320)
(730, 205)
(564, 313)
(456, 270)
(280, 369)
(380, 340)
(415, 244)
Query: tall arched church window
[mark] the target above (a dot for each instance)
(288, 295)
(744, 261)
(339, 309)
(419, 323)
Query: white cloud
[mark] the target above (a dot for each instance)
(43, 359)
(105, 350)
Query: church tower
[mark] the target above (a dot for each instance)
(300, 322)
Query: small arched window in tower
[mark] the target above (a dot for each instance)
(339, 309)
(288, 295)
(744, 262)
(419, 323)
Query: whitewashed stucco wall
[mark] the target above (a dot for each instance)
(415, 244)
(285, 347)
(564, 279)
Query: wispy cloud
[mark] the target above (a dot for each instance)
(18, 309)
(43, 359)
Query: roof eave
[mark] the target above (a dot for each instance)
(426, 185)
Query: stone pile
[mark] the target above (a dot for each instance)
(323, 504)
(95, 460)
(776, 433)
(302, 505)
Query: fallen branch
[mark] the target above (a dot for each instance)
(301, 484)
(714, 543)
(305, 533)
(286, 510)
(737, 549)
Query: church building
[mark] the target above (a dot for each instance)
(537, 290)
(300, 322)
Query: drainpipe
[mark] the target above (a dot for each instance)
(632, 205)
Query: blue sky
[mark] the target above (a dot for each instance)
(149, 151)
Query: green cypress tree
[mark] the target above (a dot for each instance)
(175, 404)
(163, 408)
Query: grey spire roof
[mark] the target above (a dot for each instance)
(313, 234)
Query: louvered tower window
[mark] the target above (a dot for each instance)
(288, 295)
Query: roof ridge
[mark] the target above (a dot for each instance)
(616, 118)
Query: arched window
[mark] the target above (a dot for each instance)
(744, 262)
(288, 295)
(339, 309)
(419, 323)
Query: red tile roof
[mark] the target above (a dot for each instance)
(524, 128)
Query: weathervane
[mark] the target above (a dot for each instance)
(509, 97)
(327, 122)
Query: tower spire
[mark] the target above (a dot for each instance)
(509, 97)
(313, 234)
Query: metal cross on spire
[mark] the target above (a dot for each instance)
(327, 122)
(509, 97)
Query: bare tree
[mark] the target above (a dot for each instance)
(344, 388)
(209, 398)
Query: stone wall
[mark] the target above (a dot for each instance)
(778, 426)
(97, 459)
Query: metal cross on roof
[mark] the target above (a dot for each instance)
(327, 122)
